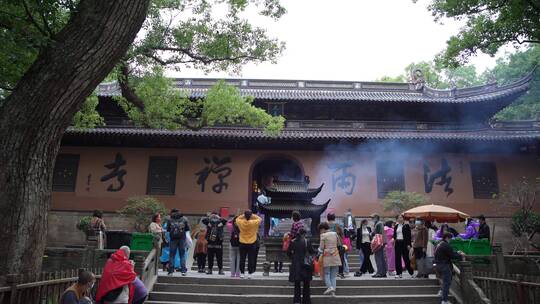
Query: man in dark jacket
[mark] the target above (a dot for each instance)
(299, 250)
(483, 230)
(444, 254)
(214, 235)
(177, 227)
(402, 237)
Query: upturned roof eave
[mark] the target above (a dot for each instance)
(299, 91)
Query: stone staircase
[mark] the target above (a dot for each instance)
(277, 290)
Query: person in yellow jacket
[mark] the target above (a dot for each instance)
(248, 224)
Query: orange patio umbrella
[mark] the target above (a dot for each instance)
(441, 214)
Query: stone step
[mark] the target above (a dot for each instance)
(282, 281)
(226, 262)
(162, 298)
(288, 290)
(285, 269)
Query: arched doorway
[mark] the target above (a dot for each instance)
(268, 168)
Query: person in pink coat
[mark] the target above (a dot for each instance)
(390, 255)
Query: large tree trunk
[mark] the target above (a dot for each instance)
(34, 117)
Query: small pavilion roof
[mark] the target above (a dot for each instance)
(292, 189)
(285, 209)
(347, 91)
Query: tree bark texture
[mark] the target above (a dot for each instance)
(34, 117)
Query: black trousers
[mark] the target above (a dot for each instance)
(400, 251)
(249, 251)
(306, 293)
(342, 258)
(201, 260)
(366, 265)
(218, 253)
(278, 266)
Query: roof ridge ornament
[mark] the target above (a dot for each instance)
(417, 78)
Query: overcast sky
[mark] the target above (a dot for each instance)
(350, 40)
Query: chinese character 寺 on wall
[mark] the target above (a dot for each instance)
(119, 161)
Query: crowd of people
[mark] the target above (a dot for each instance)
(396, 246)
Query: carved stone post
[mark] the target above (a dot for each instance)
(266, 269)
(465, 276)
(499, 258)
(139, 266)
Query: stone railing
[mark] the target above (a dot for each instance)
(43, 288)
(148, 267)
(509, 289)
(57, 259)
(498, 277)
(463, 287)
(528, 265)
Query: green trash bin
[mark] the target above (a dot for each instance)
(457, 244)
(142, 241)
(479, 247)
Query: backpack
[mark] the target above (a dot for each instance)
(215, 232)
(177, 229)
(235, 237)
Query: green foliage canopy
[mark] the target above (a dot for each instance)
(171, 108)
(438, 77)
(400, 201)
(507, 69)
(514, 66)
(208, 35)
(489, 24)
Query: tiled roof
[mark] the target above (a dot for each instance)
(290, 207)
(313, 134)
(298, 91)
(292, 187)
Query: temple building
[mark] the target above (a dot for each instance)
(360, 139)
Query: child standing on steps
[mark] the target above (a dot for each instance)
(201, 248)
(234, 252)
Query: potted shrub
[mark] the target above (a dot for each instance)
(84, 226)
(141, 208)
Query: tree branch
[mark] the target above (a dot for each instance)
(195, 57)
(32, 20)
(45, 23)
(534, 5)
(5, 88)
(127, 92)
(527, 41)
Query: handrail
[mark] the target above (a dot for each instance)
(148, 268)
(456, 269)
(149, 258)
(43, 291)
(479, 294)
(49, 282)
(525, 283)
